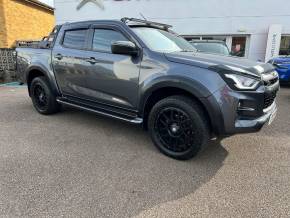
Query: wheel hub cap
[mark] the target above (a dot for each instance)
(174, 128)
(41, 97)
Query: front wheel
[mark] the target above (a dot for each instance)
(179, 127)
(42, 97)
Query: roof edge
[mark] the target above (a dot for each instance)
(40, 4)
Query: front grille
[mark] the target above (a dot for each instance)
(271, 81)
(270, 78)
(269, 98)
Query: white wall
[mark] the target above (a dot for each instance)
(191, 17)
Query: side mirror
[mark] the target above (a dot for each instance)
(124, 47)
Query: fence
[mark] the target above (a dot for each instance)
(7, 64)
(7, 59)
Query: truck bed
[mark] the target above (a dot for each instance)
(27, 55)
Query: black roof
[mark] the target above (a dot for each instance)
(92, 21)
(126, 21)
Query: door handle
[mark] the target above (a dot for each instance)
(92, 60)
(58, 56)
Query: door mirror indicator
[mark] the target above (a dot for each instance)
(124, 47)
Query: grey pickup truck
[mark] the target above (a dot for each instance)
(143, 73)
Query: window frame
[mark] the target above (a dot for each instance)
(76, 29)
(106, 27)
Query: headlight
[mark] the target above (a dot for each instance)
(241, 82)
(239, 79)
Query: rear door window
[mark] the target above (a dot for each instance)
(75, 39)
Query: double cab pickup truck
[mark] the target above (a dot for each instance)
(143, 73)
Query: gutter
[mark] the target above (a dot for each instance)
(40, 4)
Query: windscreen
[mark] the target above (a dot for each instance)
(162, 41)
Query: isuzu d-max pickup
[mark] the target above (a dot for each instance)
(143, 73)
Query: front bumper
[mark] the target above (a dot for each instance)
(246, 126)
(242, 112)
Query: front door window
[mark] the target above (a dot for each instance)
(103, 39)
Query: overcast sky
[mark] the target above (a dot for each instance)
(49, 2)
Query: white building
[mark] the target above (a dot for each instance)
(243, 24)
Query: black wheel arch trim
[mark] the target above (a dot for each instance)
(215, 115)
(196, 89)
(50, 77)
(152, 85)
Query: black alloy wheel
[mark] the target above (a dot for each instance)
(179, 127)
(42, 96)
(174, 129)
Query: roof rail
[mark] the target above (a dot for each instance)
(149, 23)
(27, 44)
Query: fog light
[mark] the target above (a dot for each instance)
(241, 107)
(247, 108)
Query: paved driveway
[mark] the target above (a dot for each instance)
(78, 164)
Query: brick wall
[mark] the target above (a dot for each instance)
(3, 31)
(20, 20)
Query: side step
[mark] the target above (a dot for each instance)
(134, 120)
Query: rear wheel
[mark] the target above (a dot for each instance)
(42, 97)
(178, 127)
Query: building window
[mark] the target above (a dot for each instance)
(103, 39)
(190, 38)
(75, 39)
(239, 46)
(285, 45)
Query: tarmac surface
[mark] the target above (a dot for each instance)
(77, 164)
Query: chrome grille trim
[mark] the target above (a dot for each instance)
(270, 78)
